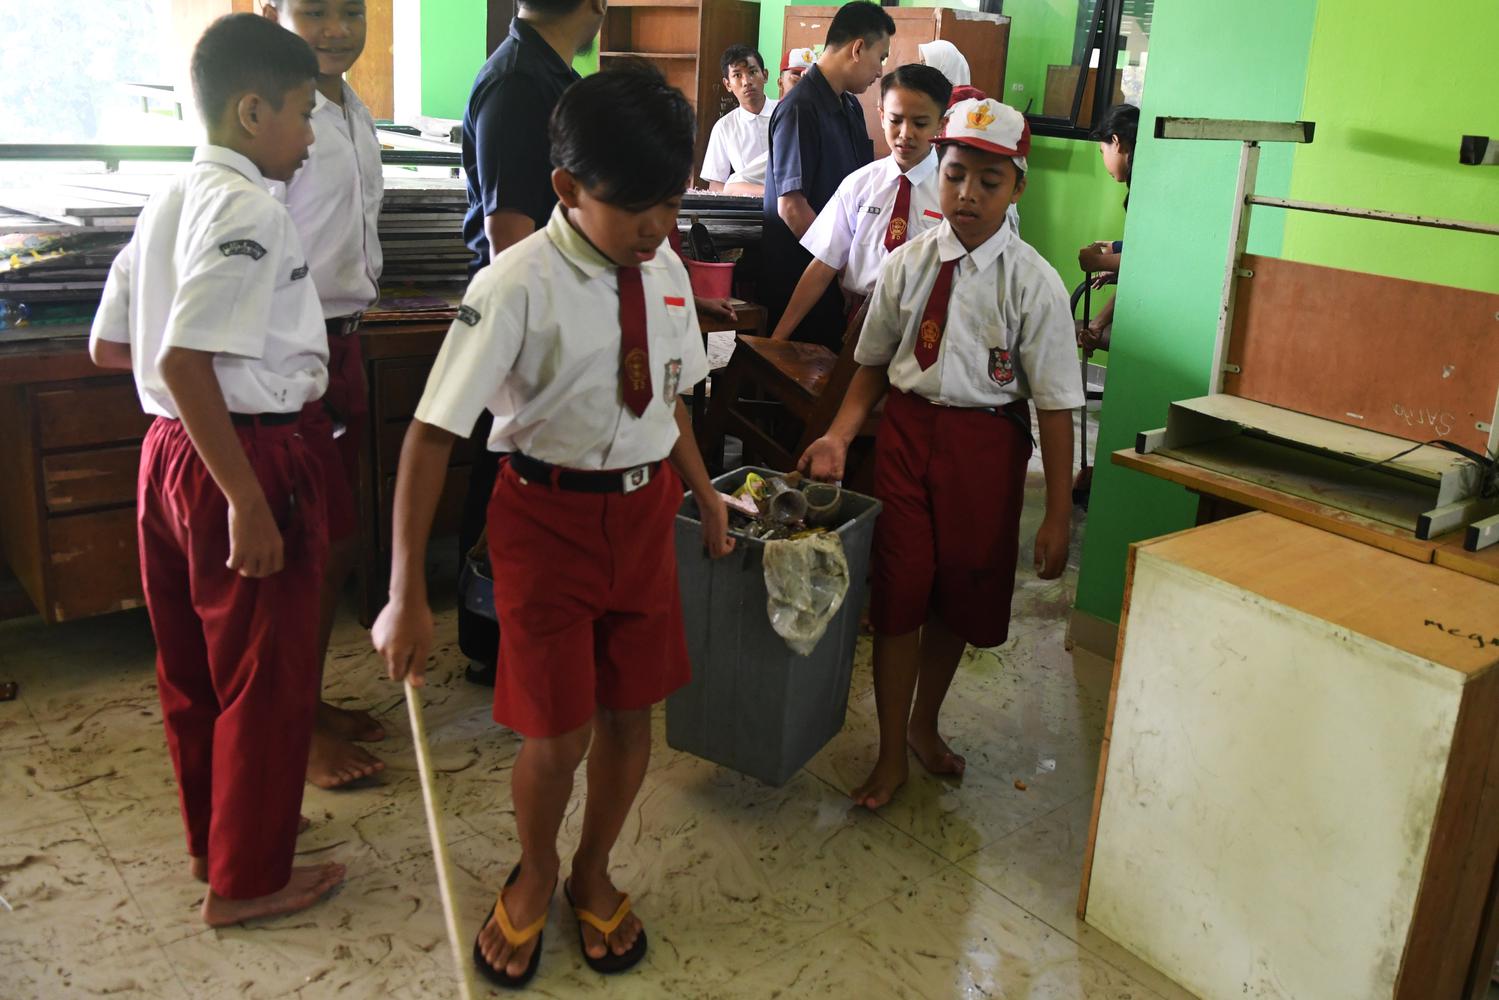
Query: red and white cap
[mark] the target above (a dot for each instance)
(986, 124)
(798, 59)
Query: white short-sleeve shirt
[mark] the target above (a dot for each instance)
(537, 342)
(335, 200)
(1009, 333)
(215, 265)
(849, 233)
(739, 147)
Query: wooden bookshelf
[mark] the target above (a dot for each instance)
(683, 39)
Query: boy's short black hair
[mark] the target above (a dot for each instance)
(944, 147)
(240, 53)
(920, 78)
(550, 9)
(736, 54)
(859, 19)
(626, 135)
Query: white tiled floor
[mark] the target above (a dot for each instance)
(956, 890)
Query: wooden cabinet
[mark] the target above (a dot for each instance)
(67, 500)
(684, 40)
(1296, 792)
(984, 40)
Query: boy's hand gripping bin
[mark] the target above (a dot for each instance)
(753, 705)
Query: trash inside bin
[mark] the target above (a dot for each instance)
(754, 705)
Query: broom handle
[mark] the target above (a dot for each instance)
(461, 965)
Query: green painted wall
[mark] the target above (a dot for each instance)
(1389, 108)
(1213, 58)
(453, 33)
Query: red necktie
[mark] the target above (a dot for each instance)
(900, 216)
(934, 316)
(634, 349)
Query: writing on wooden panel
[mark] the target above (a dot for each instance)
(1414, 360)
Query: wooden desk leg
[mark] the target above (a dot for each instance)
(367, 575)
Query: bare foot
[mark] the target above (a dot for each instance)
(307, 886)
(882, 784)
(934, 753)
(525, 900)
(597, 895)
(349, 724)
(334, 763)
(198, 867)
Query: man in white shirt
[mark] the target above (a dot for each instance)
(335, 199)
(739, 146)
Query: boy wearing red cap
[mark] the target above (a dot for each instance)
(793, 64)
(966, 325)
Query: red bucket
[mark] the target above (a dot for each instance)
(710, 281)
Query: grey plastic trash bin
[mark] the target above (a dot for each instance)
(753, 705)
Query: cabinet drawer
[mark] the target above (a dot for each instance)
(75, 416)
(95, 564)
(76, 480)
(399, 386)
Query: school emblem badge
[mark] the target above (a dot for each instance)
(930, 333)
(1001, 367)
(242, 248)
(468, 315)
(636, 370)
(673, 379)
(980, 117)
(897, 229)
(808, 56)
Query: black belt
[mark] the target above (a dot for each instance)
(575, 480)
(265, 419)
(342, 326)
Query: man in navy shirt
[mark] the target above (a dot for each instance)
(507, 159)
(817, 138)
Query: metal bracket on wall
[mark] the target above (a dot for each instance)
(1479, 151)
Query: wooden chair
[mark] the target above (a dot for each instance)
(778, 396)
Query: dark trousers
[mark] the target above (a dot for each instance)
(478, 637)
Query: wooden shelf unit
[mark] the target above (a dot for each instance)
(683, 39)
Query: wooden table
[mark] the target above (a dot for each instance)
(71, 449)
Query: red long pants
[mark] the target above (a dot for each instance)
(237, 658)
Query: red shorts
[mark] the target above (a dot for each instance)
(585, 589)
(952, 482)
(346, 403)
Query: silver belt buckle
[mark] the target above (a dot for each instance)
(635, 478)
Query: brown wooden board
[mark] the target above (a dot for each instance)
(373, 76)
(1414, 360)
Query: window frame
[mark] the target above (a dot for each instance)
(1111, 13)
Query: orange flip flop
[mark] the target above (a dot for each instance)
(610, 963)
(515, 938)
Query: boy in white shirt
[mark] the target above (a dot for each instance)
(966, 325)
(881, 205)
(578, 339)
(335, 199)
(739, 145)
(211, 305)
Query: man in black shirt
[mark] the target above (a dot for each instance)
(817, 138)
(507, 160)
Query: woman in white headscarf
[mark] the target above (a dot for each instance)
(944, 57)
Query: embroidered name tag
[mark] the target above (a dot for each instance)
(469, 315)
(298, 273)
(931, 215)
(247, 248)
(676, 300)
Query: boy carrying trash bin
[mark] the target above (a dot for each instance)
(966, 325)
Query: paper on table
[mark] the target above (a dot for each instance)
(720, 348)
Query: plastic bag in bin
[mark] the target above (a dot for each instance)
(807, 580)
